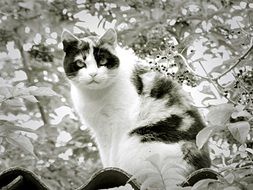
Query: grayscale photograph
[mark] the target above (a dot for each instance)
(126, 94)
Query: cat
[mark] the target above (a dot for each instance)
(132, 112)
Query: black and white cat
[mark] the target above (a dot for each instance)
(133, 112)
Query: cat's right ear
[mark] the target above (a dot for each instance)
(68, 37)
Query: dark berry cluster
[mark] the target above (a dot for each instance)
(41, 52)
(244, 84)
(169, 67)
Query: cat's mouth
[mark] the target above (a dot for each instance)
(93, 82)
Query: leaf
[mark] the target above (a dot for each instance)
(6, 92)
(207, 90)
(203, 136)
(157, 13)
(15, 102)
(242, 113)
(9, 127)
(151, 181)
(155, 160)
(206, 99)
(250, 150)
(43, 91)
(143, 173)
(1, 98)
(239, 130)
(27, 5)
(30, 98)
(202, 184)
(232, 188)
(21, 141)
(230, 178)
(219, 115)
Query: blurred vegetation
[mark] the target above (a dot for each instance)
(206, 45)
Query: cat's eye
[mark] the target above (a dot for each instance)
(102, 61)
(80, 63)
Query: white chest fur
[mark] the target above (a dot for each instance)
(109, 113)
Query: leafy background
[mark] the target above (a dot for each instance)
(206, 45)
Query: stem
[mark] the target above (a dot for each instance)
(28, 74)
(189, 67)
(237, 62)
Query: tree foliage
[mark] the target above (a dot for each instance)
(206, 45)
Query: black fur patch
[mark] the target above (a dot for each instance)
(168, 130)
(102, 53)
(72, 49)
(161, 87)
(137, 81)
(165, 86)
(198, 122)
(195, 157)
(163, 131)
(136, 77)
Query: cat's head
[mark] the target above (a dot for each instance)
(91, 62)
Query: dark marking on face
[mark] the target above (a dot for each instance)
(195, 157)
(105, 58)
(73, 46)
(72, 49)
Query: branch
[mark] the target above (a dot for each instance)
(189, 67)
(213, 82)
(27, 71)
(237, 62)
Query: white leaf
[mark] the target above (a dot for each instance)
(219, 115)
(203, 136)
(242, 113)
(157, 13)
(155, 160)
(27, 5)
(30, 98)
(150, 182)
(250, 150)
(9, 127)
(202, 184)
(43, 91)
(239, 130)
(21, 141)
(230, 178)
(143, 173)
(18, 91)
(6, 91)
(1, 98)
(14, 102)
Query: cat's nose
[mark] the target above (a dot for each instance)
(93, 74)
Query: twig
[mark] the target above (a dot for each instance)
(237, 62)
(189, 68)
(27, 71)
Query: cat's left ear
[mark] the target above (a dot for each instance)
(109, 37)
(68, 37)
